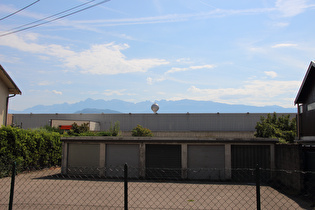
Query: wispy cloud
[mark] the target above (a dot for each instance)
(215, 13)
(271, 74)
(289, 8)
(284, 45)
(184, 60)
(149, 80)
(281, 24)
(45, 83)
(57, 92)
(9, 59)
(121, 92)
(176, 69)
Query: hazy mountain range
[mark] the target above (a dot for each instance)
(181, 106)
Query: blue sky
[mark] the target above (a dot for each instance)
(236, 52)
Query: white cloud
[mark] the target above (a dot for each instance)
(284, 45)
(108, 59)
(149, 80)
(176, 69)
(27, 44)
(31, 36)
(256, 93)
(9, 59)
(117, 92)
(281, 24)
(271, 74)
(45, 83)
(57, 92)
(202, 67)
(114, 92)
(184, 60)
(99, 59)
(289, 8)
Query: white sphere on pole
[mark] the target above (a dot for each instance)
(155, 107)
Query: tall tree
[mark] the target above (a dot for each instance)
(282, 128)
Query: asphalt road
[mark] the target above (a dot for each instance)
(47, 189)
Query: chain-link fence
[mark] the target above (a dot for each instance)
(123, 188)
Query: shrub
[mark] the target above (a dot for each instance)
(141, 131)
(76, 129)
(114, 130)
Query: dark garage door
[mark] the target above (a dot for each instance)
(119, 154)
(244, 161)
(83, 158)
(206, 162)
(163, 161)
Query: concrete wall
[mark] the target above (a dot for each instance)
(4, 92)
(239, 122)
(289, 157)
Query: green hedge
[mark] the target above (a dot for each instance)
(30, 149)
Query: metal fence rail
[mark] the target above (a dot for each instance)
(49, 189)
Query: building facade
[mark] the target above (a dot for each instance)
(305, 101)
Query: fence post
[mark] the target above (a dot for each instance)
(126, 186)
(258, 187)
(12, 186)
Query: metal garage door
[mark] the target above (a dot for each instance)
(163, 161)
(83, 158)
(206, 162)
(119, 154)
(244, 161)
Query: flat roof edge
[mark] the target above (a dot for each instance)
(166, 139)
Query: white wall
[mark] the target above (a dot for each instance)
(4, 92)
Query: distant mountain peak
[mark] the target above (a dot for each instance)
(180, 106)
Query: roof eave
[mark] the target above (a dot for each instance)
(12, 87)
(310, 67)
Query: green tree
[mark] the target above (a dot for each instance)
(282, 128)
